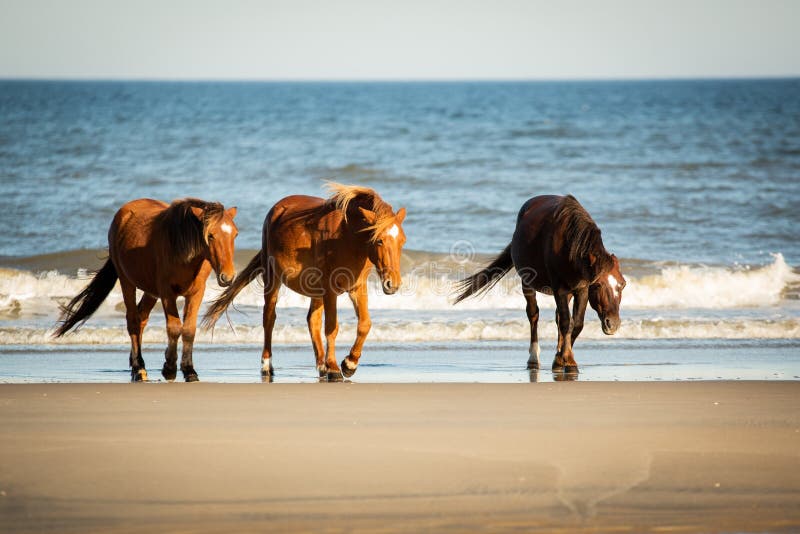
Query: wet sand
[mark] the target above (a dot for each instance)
(600, 457)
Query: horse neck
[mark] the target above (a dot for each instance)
(352, 246)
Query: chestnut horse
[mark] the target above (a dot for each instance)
(167, 251)
(321, 249)
(557, 249)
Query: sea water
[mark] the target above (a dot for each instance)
(695, 185)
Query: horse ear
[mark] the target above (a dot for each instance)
(232, 212)
(401, 214)
(198, 212)
(370, 216)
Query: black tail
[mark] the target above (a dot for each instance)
(87, 301)
(240, 282)
(486, 278)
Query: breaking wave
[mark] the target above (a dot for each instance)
(428, 285)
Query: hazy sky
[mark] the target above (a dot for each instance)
(399, 39)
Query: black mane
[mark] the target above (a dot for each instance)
(187, 235)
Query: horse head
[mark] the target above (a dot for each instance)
(219, 233)
(385, 247)
(605, 295)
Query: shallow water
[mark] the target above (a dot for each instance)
(499, 362)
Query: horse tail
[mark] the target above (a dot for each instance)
(221, 303)
(486, 278)
(85, 303)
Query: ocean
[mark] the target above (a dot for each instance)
(695, 185)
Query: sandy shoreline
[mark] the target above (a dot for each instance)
(701, 456)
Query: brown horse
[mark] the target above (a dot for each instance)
(557, 249)
(321, 249)
(167, 251)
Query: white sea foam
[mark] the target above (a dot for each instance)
(25, 294)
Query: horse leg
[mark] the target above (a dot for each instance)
(271, 287)
(314, 320)
(170, 368)
(145, 306)
(331, 329)
(359, 299)
(138, 371)
(578, 313)
(190, 308)
(532, 310)
(564, 360)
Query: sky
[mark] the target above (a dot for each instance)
(398, 39)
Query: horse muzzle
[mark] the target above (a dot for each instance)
(390, 287)
(224, 280)
(610, 325)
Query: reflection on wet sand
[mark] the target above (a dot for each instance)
(565, 377)
(533, 376)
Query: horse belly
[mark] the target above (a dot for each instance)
(307, 282)
(528, 261)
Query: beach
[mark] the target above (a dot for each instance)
(571, 457)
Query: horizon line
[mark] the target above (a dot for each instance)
(147, 79)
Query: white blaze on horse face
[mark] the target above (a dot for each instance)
(394, 231)
(225, 227)
(614, 284)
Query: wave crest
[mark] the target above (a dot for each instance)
(429, 286)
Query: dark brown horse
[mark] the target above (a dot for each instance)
(557, 249)
(167, 251)
(321, 249)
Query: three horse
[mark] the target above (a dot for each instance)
(557, 249)
(322, 248)
(167, 251)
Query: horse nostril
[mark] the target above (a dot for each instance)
(610, 325)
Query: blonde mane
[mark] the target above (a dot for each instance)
(344, 194)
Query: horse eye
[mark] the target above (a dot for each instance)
(379, 242)
(210, 237)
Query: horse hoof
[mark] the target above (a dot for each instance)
(169, 373)
(533, 366)
(335, 376)
(267, 372)
(348, 371)
(571, 369)
(139, 376)
(191, 377)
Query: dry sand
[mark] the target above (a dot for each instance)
(600, 457)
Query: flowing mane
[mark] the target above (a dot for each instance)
(187, 235)
(366, 198)
(581, 233)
